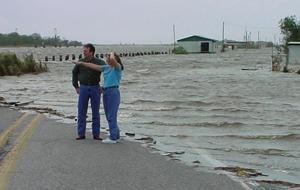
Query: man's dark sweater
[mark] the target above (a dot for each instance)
(86, 76)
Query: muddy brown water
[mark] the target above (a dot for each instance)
(206, 105)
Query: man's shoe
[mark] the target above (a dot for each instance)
(109, 141)
(80, 138)
(98, 138)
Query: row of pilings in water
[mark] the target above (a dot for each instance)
(73, 56)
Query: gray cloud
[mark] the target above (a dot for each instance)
(141, 21)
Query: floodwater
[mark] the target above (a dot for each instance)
(206, 105)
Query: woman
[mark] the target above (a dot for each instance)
(112, 73)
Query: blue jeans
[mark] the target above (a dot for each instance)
(86, 93)
(111, 102)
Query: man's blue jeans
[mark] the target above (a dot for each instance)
(111, 102)
(86, 93)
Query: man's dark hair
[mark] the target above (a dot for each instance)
(91, 47)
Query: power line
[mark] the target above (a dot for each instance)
(251, 27)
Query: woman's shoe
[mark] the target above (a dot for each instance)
(109, 141)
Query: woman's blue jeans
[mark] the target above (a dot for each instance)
(111, 102)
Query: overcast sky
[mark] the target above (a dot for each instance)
(145, 21)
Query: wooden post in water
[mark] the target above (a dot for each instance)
(246, 40)
(223, 43)
(55, 37)
(258, 44)
(287, 62)
(272, 54)
(174, 37)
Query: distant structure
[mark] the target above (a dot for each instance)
(198, 44)
(232, 44)
(293, 58)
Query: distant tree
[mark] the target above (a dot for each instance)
(75, 43)
(35, 39)
(36, 36)
(290, 28)
(179, 50)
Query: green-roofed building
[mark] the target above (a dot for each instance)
(198, 44)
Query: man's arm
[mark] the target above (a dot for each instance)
(75, 73)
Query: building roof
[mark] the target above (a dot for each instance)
(195, 39)
(294, 43)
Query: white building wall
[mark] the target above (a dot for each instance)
(294, 54)
(195, 46)
(294, 57)
(191, 47)
(212, 47)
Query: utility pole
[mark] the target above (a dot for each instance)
(272, 52)
(174, 37)
(55, 37)
(246, 39)
(249, 37)
(223, 42)
(258, 44)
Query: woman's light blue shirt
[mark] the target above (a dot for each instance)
(112, 76)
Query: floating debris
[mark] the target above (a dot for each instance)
(241, 172)
(23, 89)
(44, 110)
(24, 103)
(246, 69)
(146, 140)
(71, 117)
(172, 154)
(9, 103)
(178, 152)
(2, 100)
(175, 159)
(179, 136)
(283, 183)
(130, 134)
(196, 162)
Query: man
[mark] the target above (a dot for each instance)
(89, 89)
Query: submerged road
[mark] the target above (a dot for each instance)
(39, 153)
